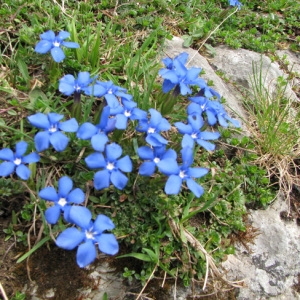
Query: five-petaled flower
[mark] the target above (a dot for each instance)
(235, 3)
(68, 84)
(90, 233)
(186, 173)
(53, 43)
(16, 161)
(52, 131)
(62, 199)
(112, 167)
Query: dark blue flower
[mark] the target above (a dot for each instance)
(62, 199)
(53, 43)
(192, 133)
(16, 161)
(176, 74)
(186, 173)
(88, 235)
(153, 127)
(110, 92)
(52, 131)
(164, 159)
(112, 167)
(68, 84)
(98, 133)
(235, 3)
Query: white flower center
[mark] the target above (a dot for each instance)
(77, 87)
(151, 130)
(56, 44)
(156, 160)
(17, 161)
(127, 113)
(110, 91)
(62, 202)
(110, 166)
(194, 135)
(53, 128)
(181, 174)
(89, 235)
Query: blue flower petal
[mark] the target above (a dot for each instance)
(86, 131)
(156, 140)
(211, 118)
(54, 117)
(170, 153)
(222, 121)
(156, 117)
(31, 158)
(99, 141)
(39, 120)
(173, 185)
(86, 254)
(80, 216)
(103, 223)
(193, 73)
(83, 78)
(76, 196)
(113, 151)
(124, 164)
(70, 238)
(206, 135)
(194, 187)
(108, 244)
(69, 125)
(184, 89)
(206, 145)
(59, 141)
(6, 168)
(42, 141)
(95, 161)
(197, 172)
(65, 185)
(70, 44)
(187, 156)
(187, 141)
(43, 46)
(57, 54)
(112, 101)
(145, 152)
(184, 128)
(96, 90)
(121, 121)
(48, 35)
(118, 179)
(167, 86)
(23, 171)
(49, 193)
(52, 214)
(7, 154)
(196, 121)
(101, 180)
(147, 168)
(62, 35)
(168, 166)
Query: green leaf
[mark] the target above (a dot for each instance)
(23, 69)
(140, 256)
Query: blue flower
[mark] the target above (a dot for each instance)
(98, 133)
(192, 133)
(128, 111)
(16, 161)
(62, 199)
(112, 167)
(110, 92)
(153, 127)
(53, 43)
(186, 173)
(164, 159)
(235, 3)
(88, 235)
(52, 131)
(177, 75)
(68, 84)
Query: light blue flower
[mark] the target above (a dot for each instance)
(193, 133)
(164, 159)
(235, 3)
(53, 43)
(110, 92)
(62, 199)
(68, 84)
(176, 75)
(16, 161)
(88, 234)
(112, 167)
(153, 127)
(98, 133)
(52, 131)
(186, 173)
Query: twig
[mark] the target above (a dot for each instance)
(3, 292)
